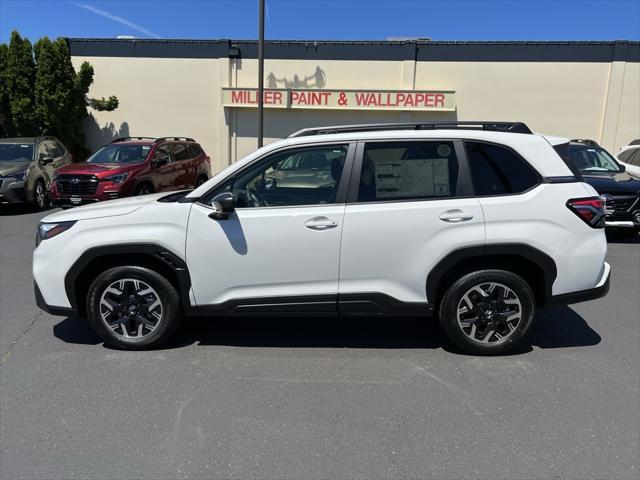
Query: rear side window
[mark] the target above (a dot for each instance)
(194, 150)
(498, 170)
(180, 152)
(408, 171)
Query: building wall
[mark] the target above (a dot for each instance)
(182, 96)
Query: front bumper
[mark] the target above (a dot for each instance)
(50, 309)
(600, 290)
(12, 191)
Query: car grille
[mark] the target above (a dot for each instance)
(77, 184)
(621, 205)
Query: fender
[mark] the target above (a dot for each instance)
(151, 251)
(521, 250)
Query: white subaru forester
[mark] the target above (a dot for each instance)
(477, 224)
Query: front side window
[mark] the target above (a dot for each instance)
(498, 170)
(635, 158)
(408, 170)
(305, 176)
(115, 153)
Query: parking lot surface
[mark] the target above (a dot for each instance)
(317, 398)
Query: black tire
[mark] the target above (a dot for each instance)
(510, 296)
(201, 179)
(164, 292)
(144, 189)
(40, 201)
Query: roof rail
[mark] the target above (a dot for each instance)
(125, 139)
(179, 139)
(513, 127)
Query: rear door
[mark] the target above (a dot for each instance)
(410, 204)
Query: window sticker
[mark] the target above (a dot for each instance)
(411, 178)
(444, 150)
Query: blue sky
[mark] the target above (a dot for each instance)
(326, 19)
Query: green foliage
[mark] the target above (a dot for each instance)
(41, 93)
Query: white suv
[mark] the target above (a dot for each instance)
(477, 224)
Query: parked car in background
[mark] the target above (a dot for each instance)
(480, 223)
(619, 188)
(27, 165)
(132, 166)
(629, 156)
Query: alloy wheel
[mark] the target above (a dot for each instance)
(489, 313)
(131, 308)
(40, 196)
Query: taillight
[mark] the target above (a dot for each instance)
(591, 210)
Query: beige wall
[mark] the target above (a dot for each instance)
(183, 97)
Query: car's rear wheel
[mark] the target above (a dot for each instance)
(144, 189)
(487, 312)
(39, 195)
(133, 307)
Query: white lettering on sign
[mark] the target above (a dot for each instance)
(342, 99)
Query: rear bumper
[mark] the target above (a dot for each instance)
(50, 309)
(600, 290)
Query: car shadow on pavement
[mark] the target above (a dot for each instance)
(558, 327)
(19, 209)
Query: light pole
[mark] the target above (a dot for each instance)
(261, 74)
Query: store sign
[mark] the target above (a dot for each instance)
(342, 99)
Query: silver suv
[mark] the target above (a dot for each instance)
(26, 167)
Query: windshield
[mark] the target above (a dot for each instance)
(589, 158)
(121, 154)
(16, 152)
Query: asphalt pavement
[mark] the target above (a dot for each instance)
(317, 398)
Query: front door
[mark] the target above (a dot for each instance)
(279, 251)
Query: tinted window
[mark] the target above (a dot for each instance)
(61, 149)
(635, 159)
(407, 170)
(308, 176)
(194, 150)
(180, 152)
(51, 149)
(498, 170)
(163, 153)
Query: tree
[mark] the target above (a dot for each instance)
(43, 92)
(20, 79)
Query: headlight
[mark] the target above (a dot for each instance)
(121, 177)
(50, 230)
(19, 176)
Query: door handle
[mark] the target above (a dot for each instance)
(320, 223)
(455, 216)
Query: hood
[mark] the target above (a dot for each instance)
(605, 182)
(110, 208)
(9, 168)
(100, 170)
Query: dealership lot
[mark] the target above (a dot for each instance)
(313, 398)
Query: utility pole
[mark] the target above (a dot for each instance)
(261, 74)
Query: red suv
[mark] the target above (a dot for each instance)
(131, 166)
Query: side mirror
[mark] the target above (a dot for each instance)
(623, 168)
(46, 160)
(223, 205)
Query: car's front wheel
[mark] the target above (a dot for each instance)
(487, 312)
(39, 195)
(133, 307)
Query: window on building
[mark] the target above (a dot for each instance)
(407, 171)
(307, 176)
(498, 170)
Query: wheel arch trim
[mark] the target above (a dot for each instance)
(459, 257)
(157, 253)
